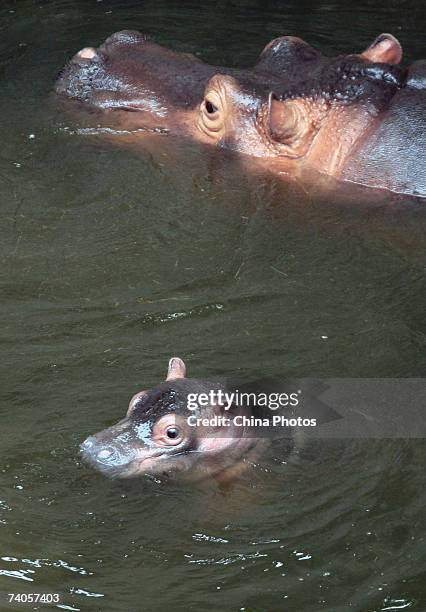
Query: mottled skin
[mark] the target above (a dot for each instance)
(155, 437)
(358, 117)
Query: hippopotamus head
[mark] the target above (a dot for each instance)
(292, 101)
(155, 436)
(295, 105)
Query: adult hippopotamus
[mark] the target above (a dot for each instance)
(359, 117)
(161, 433)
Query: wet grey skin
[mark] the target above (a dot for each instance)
(350, 117)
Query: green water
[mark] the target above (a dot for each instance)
(114, 260)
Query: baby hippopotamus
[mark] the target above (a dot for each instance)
(160, 434)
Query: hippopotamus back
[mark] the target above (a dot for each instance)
(393, 153)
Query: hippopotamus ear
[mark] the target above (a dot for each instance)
(177, 369)
(135, 400)
(386, 49)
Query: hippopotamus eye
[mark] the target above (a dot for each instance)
(212, 115)
(210, 107)
(166, 432)
(172, 433)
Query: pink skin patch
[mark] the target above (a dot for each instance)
(87, 53)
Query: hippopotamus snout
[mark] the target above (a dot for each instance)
(85, 72)
(107, 456)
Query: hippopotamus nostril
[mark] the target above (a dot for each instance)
(125, 37)
(87, 58)
(104, 454)
(109, 456)
(87, 444)
(87, 53)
